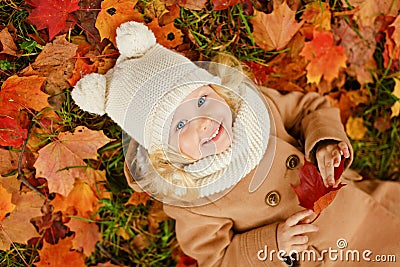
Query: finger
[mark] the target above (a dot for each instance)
(336, 157)
(344, 148)
(301, 229)
(299, 248)
(299, 240)
(297, 217)
(329, 171)
(321, 166)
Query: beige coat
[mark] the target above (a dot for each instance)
(239, 229)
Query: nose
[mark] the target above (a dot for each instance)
(203, 124)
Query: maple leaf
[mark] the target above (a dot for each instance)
(81, 201)
(11, 134)
(113, 13)
(8, 44)
(138, 198)
(60, 254)
(275, 30)
(325, 58)
(67, 153)
(86, 235)
(81, 68)
(224, 4)
(156, 216)
(168, 35)
(5, 203)
(319, 14)
(52, 14)
(189, 4)
(396, 106)
(311, 188)
(17, 225)
(24, 92)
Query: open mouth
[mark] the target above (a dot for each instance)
(215, 136)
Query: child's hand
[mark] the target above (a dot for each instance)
(290, 234)
(328, 157)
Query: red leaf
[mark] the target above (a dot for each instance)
(11, 134)
(52, 14)
(311, 188)
(224, 4)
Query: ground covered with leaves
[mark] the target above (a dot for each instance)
(346, 50)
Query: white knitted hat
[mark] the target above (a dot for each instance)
(147, 79)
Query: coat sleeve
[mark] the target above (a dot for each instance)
(308, 116)
(212, 242)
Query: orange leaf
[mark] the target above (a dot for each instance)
(25, 92)
(81, 68)
(60, 254)
(156, 216)
(81, 201)
(86, 235)
(67, 154)
(275, 30)
(188, 4)
(113, 13)
(324, 201)
(325, 58)
(11, 134)
(17, 225)
(5, 203)
(168, 35)
(138, 198)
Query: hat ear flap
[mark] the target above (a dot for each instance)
(90, 93)
(134, 39)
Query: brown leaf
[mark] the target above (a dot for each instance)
(156, 216)
(138, 198)
(107, 264)
(17, 225)
(10, 183)
(67, 153)
(86, 236)
(168, 35)
(60, 255)
(318, 14)
(113, 13)
(8, 44)
(382, 124)
(5, 203)
(140, 242)
(189, 4)
(82, 67)
(274, 31)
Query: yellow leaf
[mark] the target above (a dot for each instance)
(396, 106)
(355, 128)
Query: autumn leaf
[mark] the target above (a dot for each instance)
(318, 14)
(5, 203)
(113, 13)
(138, 198)
(355, 128)
(156, 216)
(52, 14)
(168, 35)
(86, 235)
(311, 188)
(68, 152)
(396, 106)
(24, 92)
(82, 67)
(60, 254)
(224, 4)
(325, 58)
(17, 225)
(7, 43)
(275, 30)
(11, 134)
(188, 4)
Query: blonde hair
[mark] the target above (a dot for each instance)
(166, 164)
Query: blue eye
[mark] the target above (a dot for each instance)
(181, 124)
(201, 101)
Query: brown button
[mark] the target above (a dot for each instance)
(272, 198)
(292, 161)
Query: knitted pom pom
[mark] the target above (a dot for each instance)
(134, 39)
(89, 93)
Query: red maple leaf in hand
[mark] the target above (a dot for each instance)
(52, 14)
(311, 191)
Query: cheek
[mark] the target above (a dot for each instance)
(188, 145)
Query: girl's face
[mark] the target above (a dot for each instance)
(202, 124)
